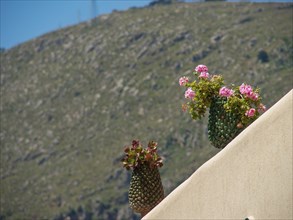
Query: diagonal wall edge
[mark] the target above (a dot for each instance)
(252, 176)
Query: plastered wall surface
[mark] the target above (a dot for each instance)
(252, 176)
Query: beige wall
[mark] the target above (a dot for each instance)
(252, 176)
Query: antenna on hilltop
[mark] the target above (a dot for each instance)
(93, 9)
(93, 12)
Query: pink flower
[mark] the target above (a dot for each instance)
(183, 80)
(204, 75)
(201, 68)
(189, 93)
(226, 92)
(248, 91)
(253, 96)
(261, 108)
(245, 89)
(250, 112)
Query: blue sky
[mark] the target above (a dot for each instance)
(22, 20)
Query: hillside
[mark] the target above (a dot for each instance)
(72, 99)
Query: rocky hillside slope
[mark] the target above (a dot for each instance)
(72, 99)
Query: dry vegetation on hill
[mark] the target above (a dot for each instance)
(71, 99)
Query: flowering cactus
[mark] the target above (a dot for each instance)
(237, 107)
(146, 189)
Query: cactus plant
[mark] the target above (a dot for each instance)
(223, 126)
(146, 189)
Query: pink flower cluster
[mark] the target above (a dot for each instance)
(250, 113)
(189, 94)
(201, 69)
(183, 80)
(224, 91)
(248, 91)
(204, 75)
